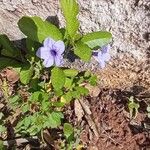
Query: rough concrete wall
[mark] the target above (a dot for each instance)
(127, 20)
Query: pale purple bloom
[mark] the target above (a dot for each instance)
(51, 52)
(102, 56)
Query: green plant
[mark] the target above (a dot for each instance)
(47, 98)
(148, 111)
(133, 107)
(2, 127)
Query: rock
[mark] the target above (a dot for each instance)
(128, 21)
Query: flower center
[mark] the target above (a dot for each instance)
(53, 52)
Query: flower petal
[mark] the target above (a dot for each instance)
(43, 52)
(106, 57)
(58, 60)
(48, 42)
(48, 62)
(102, 63)
(60, 46)
(105, 49)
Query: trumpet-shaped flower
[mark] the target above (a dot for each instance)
(102, 56)
(51, 52)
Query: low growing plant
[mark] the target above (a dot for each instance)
(46, 47)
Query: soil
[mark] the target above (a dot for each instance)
(116, 130)
(104, 118)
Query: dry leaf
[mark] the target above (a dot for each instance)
(12, 75)
(1, 105)
(93, 91)
(78, 110)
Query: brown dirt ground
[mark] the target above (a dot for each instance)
(109, 112)
(116, 130)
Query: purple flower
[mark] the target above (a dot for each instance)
(102, 56)
(51, 52)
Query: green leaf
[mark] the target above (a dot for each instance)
(70, 10)
(58, 104)
(39, 96)
(54, 119)
(1, 115)
(26, 74)
(34, 84)
(68, 130)
(2, 147)
(75, 94)
(82, 90)
(133, 107)
(27, 122)
(93, 80)
(97, 39)
(25, 108)
(7, 62)
(58, 92)
(87, 74)
(15, 99)
(2, 129)
(58, 78)
(71, 72)
(83, 51)
(8, 48)
(37, 29)
(66, 98)
(32, 46)
(148, 108)
(68, 83)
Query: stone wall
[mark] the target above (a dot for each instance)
(127, 20)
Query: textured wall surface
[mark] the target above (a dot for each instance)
(127, 20)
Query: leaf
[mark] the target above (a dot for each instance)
(1, 115)
(7, 62)
(39, 96)
(15, 99)
(58, 78)
(66, 98)
(70, 10)
(58, 92)
(82, 90)
(68, 83)
(26, 74)
(2, 129)
(71, 72)
(133, 107)
(12, 75)
(93, 91)
(31, 46)
(54, 119)
(79, 113)
(37, 30)
(83, 51)
(97, 39)
(148, 109)
(2, 147)
(25, 108)
(8, 48)
(93, 80)
(68, 130)
(27, 121)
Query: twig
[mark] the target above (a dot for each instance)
(20, 141)
(85, 107)
(109, 137)
(89, 118)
